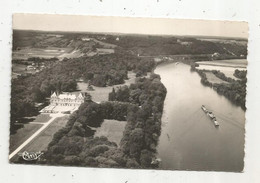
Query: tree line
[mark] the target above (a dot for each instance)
(241, 74)
(161, 45)
(100, 70)
(75, 144)
(235, 90)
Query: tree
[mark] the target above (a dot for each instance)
(146, 158)
(37, 95)
(134, 96)
(112, 95)
(90, 114)
(97, 150)
(99, 80)
(136, 143)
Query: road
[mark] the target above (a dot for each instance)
(53, 117)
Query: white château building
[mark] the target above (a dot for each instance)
(67, 99)
(65, 102)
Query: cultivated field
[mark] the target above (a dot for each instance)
(29, 44)
(105, 45)
(112, 129)
(73, 54)
(103, 51)
(18, 68)
(49, 52)
(237, 63)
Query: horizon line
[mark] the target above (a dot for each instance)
(120, 33)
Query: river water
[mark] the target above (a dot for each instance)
(189, 140)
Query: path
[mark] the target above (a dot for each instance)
(45, 125)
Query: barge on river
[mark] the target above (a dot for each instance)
(211, 115)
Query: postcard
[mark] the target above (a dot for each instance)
(135, 93)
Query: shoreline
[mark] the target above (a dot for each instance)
(218, 87)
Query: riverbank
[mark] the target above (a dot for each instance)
(189, 139)
(233, 90)
(224, 82)
(228, 67)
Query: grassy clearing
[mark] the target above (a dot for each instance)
(228, 67)
(105, 51)
(101, 93)
(22, 135)
(18, 69)
(41, 142)
(214, 79)
(238, 63)
(42, 118)
(228, 71)
(105, 45)
(112, 129)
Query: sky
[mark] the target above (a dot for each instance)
(153, 26)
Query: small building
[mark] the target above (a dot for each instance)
(216, 54)
(186, 43)
(85, 39)
(30, 67)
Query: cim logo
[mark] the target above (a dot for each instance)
(30, 156)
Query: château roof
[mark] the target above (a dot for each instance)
(67, 95)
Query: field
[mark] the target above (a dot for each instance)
(242, 42)
(101, 93)
(228, 67)
(41, 142)
(28, 44)
(19, 69)
(49, 52)
(22, 135)
(112, 129)
(105, 45)
(105, 51)
(237, 63)
(214, 79)
(42, 118)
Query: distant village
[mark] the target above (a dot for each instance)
(37, 66)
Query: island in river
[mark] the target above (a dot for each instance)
(189, 140)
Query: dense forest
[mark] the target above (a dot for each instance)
(75, 145)
(144, 45)
(164, 45)
(234, 90)
(62, 76)
(240, 74)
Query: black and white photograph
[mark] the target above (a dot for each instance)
(128, 93)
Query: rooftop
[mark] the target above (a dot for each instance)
(67, 95)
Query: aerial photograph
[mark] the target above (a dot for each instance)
(136, 93)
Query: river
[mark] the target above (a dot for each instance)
(189, 140)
